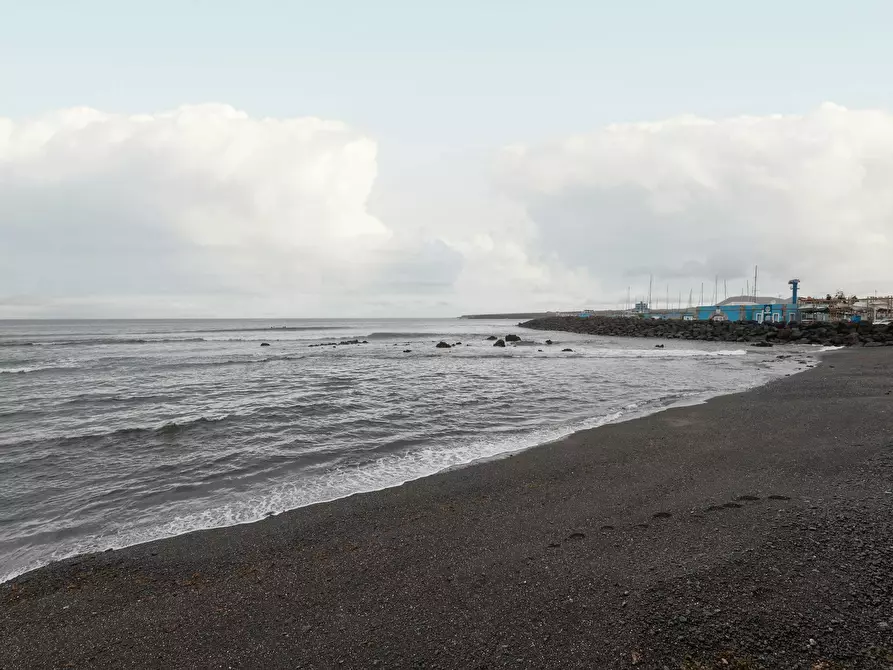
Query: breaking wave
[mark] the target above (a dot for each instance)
(97, 341)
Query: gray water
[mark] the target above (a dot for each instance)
(119, 432)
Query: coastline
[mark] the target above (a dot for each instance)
(535, 439)
(762, 334)
(512, 563)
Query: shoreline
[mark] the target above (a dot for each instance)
(643, 542)
(624, 414)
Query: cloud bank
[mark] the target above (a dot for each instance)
(206, 211)
(690, 199)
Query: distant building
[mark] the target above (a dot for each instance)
(839, 307)
(762, 309)
(750, 308)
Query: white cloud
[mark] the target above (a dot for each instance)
(692, 198)
(203, 202)
(206, 211)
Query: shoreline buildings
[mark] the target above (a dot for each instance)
(767, 309)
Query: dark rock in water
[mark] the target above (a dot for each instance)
(349, 342)
(548, 341)
(761, 344)
(458, 344)
(540, 350)
(658, 346)
(499, 343)
(265, 344)
(491, 338)
(512, 338)
(406, 351)
(365, 342)
(443, 345)
(567, 349)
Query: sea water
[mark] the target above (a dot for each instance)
(119, 432)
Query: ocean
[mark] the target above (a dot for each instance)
(119, 432)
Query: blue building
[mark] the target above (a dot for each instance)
(762, 309)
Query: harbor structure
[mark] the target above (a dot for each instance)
(761, 309)
(750, 308)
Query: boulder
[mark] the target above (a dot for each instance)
(406, 351)
(512, 338)
(567, 349)
(499, 343)
(492, 338)
(265, 344)
(548, 341)
(443, 345)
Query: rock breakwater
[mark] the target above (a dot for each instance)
(827, 334)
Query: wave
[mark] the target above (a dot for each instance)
(405, 336)
(92, 399)
(99, 341)
(526, 353)
(270, 329)
(170, 428)
(231, 361)
(36, 368)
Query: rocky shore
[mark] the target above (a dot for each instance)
(828, 334)
(752, 531)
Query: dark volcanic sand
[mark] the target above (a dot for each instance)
(752, 531)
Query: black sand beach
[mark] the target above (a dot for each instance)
(753, 531)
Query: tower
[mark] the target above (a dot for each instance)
(795, 286)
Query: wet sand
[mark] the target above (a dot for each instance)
(755, 530)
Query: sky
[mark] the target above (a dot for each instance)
(296, 159)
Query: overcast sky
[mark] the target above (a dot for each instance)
(273, 158)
